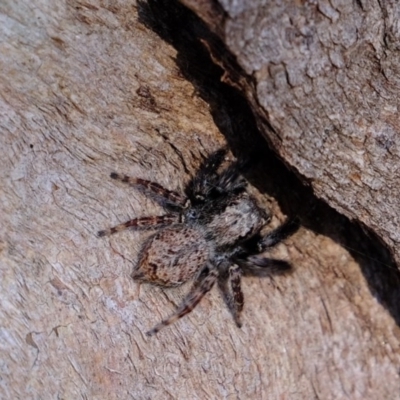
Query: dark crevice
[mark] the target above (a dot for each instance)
(181, 28)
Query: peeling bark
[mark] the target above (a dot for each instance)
(90, 88)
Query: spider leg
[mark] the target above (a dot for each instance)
(230, 180)
(233, 296)
(238, 299)
(144, 222)
(212, 163)
(169, 195)
(279, 234)
(205, 178)
(258, 265)
(202, 285)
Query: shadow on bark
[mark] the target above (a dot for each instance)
(181, 28)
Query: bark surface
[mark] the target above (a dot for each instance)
(87, 88)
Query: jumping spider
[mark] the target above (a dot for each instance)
(211, 234)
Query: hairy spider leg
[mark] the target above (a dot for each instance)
(235, 275)
(232, 293)
(257, 264)
(279, 234)
(212, 163)
(206, 176)
(230, 180)
(203, 285)
(154, 188)
(144, 222)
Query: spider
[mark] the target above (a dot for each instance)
(211, 234)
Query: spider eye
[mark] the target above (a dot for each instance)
(192, 214)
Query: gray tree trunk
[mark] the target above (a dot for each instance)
(90, 88)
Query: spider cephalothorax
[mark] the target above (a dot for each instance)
(211, 234)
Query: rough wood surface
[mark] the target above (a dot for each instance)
(87, 88)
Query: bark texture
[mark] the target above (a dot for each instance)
(323, 79)
(87, 88)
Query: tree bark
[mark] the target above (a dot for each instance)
(91, 88)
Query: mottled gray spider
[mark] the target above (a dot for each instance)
(211, 234)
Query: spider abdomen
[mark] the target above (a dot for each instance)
(173, 256)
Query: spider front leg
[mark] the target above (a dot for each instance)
(231, 180)
(156, 189)
(203, 284)
(257, 264)
(144, 222)
(279, 234)
(200, 185)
